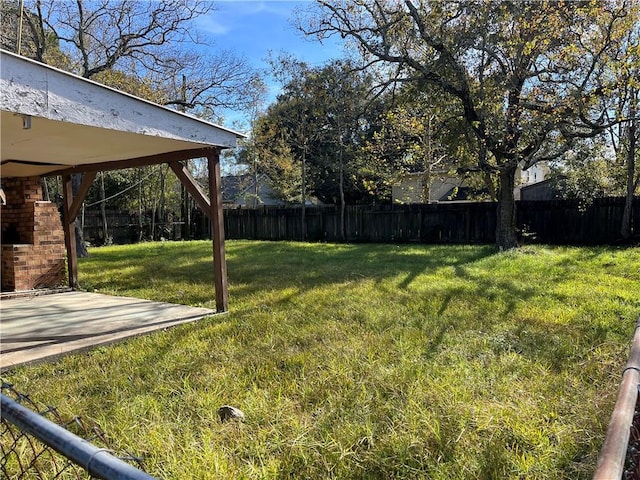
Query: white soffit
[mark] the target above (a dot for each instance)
(51, 119)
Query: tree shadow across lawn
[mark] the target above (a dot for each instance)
(306, 266)
(158, 266)
(266, 274)
(532, 311)
(395, 270)
(256, 268)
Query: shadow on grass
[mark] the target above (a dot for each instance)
(489, 294)
(307, 266)
(254, 266)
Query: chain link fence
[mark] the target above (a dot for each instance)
(26, 457)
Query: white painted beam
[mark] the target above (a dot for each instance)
(31, 88)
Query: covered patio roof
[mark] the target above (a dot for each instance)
(56, 123)
(52, 120)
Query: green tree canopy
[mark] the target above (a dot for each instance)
(529, 76)
(319, 123)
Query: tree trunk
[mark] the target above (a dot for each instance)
(140, 224)
(626, 230)
(45, 189)
(183, 213)
(304, 195)
(154, 210)
(506, 237)
(187, 220)
(185, 210)
(81, 248)
(343, 234)
(426, 185)
(103, 212)
(256, 190)
(162, 214)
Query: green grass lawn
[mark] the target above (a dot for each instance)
(360, 361)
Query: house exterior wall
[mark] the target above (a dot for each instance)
(409, 190)
(533, 175)
(33, 250)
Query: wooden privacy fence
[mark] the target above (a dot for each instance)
(555, 222)
(571, 222)
(438, 223)
(124, 227)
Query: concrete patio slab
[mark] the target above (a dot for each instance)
(35, 328)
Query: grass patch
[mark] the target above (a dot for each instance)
(361, 361)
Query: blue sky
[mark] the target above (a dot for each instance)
(252, 28)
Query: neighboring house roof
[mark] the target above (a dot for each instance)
(53, 120)
(545, 190)
(234, 186)
(240, 190)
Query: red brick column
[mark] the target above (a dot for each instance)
(33, 252)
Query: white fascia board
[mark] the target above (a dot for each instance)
(31, 88)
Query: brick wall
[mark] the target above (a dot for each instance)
(33, 250)
(17, 214)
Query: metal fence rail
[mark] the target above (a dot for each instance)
(37, 447)
(614, 452)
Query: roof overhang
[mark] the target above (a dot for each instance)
(51, 120)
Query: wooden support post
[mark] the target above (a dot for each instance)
(217, 233)
(212, 207)
(70, 208)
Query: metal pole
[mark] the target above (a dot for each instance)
(20, 21)
(614, 450)
(98, 462)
